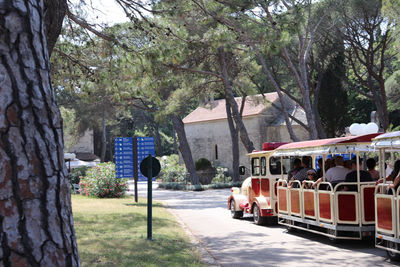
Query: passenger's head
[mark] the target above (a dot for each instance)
(339, 161)
(305, 160)
(348, 164)
(328, 164)
(320, 162)
(311, 175)
(296, 163)
(371, 164)
(354, 163)
(396, 168)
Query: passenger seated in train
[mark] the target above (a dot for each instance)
(311, 176)
(371, 163)
(348, 164)
(335, 174)
(320, 173)
(296, 168)
(301, 175)
(393, 174)
(351, 177)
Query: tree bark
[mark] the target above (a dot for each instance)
(280, 94)
(235, 143)
(244, 137)
(103, 138)
(156, 132)
(36, 225)
(184, 148)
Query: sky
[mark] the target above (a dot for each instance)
(104, 11)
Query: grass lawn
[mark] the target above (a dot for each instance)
(113, 232)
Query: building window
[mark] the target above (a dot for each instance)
(216, 152)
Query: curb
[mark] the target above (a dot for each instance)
(206, 256)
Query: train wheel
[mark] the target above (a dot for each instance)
(235, 214)
(392, 255)
(257, 216)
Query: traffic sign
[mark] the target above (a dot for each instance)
(153, 164)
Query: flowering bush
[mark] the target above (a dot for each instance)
(100, 182)
(221, 175)
(171, 170)
(76, 174)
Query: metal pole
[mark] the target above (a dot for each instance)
(135, 167)
(149, 198)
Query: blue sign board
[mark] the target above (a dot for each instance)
(123, 157)
(145, 146)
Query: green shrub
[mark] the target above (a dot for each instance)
(171, 170)
(199, 187)
(100, 182)
(203, 164)
(221, 175)
(76, 174)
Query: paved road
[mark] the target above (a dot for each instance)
(242, 243)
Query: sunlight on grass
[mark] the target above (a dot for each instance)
(113, 232)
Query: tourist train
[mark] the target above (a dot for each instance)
(343, 210)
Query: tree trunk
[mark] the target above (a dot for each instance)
(156, 131)
(184, 148)
(229, 97)
(318, 123)
(175, 142)
(235, 143)
(36, 225)
(103, 138)
(280, 94)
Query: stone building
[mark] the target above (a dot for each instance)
(208, 132)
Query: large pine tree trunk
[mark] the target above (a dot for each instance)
(244, 137)
(235, 143)
(36, 225)
(184, 148)
(103, 138)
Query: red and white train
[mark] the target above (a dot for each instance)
(363, 212)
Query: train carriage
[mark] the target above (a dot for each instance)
(326, 209)
(387, 200)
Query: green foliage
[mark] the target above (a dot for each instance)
(100, 182)
(199, 187)
(221, 175)
(203, 164)
(333, 104)
(77, 173)
(70, 127)
(171, 170)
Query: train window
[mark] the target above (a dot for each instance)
(263, 166)
(275, 165)
(255, 166)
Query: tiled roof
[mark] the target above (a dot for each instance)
(216, 109)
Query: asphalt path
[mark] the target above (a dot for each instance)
(242, 243)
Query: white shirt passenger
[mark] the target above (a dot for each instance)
(336, 174)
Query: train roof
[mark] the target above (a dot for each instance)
(387, 140)
(347, 144)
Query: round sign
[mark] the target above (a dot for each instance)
(155, 166)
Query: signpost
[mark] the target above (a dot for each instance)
(145, 147)
(150, 167)
(123, 157)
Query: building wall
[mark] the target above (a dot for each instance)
(203, 136)
(84, 144)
